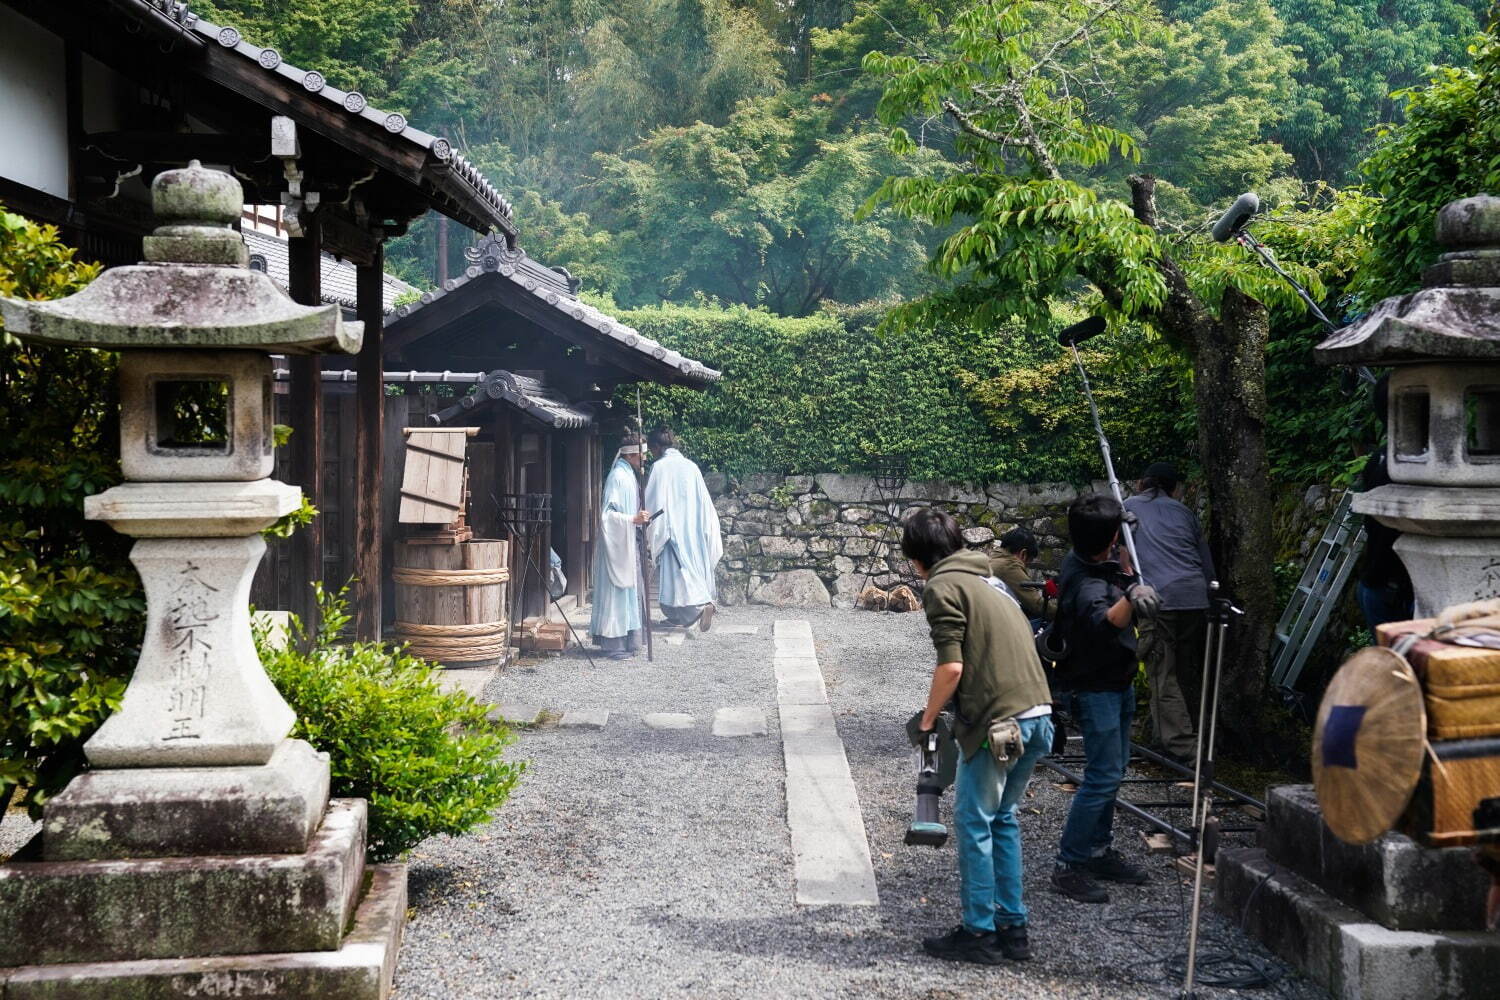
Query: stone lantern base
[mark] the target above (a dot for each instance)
(315, 922)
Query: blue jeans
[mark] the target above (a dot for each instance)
(989, 838)
(1383, 604)
(1104, 717)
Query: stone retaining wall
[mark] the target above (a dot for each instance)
(812, 541)
(801, 541)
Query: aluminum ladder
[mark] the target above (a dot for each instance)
(1320, 588)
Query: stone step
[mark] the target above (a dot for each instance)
(361, 969)
(1393, 880)
(55, 912)
(1340, 948)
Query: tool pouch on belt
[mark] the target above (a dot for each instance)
(1006, 743)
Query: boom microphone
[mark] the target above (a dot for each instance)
(1079, 332)
(1234, 220)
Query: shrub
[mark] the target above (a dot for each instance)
(427, 761)
(71, 611)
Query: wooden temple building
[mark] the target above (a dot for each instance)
(108, 93)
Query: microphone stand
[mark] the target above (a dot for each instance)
(1205, 829)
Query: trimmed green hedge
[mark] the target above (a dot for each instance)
(829, 392)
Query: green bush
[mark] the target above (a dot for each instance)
(427, 761)
(71, 610)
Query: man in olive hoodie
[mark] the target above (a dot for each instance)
(987, 665)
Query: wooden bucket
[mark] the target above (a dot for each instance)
(450, 600)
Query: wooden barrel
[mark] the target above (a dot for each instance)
(450, 600)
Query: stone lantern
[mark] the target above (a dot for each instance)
(201, 843)
(1443, 447)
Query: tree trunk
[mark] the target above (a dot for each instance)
(1229, 389)
(1229, 394)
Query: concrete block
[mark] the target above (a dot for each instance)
(54, 912)
(668, 720)
(1393, 880)
(470, 680)
(1340, 948)
(746, 721)
(736, 629)
(361, 969)
(584, 719)
(160, 812)
(793, 627)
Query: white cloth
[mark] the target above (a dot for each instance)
(617, 602)
(689, 524)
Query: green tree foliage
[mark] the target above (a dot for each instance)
(70, 604)
(760, 211)
(827, 393)
(427, 761)
(1448, 147)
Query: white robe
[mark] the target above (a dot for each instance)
(689, 522)
(617, 601)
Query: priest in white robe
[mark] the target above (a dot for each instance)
(686, 545)
(616, 625)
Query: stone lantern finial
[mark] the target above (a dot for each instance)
(195, 289)
(196, 208)
(1469, 229)
(1455, 315)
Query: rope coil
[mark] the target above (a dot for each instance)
(419, 629)
(413, 577)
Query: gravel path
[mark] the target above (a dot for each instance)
(641, 863)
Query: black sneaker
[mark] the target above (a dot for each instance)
(960, 945)
(1013, 943)
(1078, 884)
(1111, 866)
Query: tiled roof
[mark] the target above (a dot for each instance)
(529, 395)
(439, 150)
(493, 257)
(338, 275)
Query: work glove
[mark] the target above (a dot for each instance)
(1143, 598)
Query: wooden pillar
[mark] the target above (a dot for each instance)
(305, 284)
(369, 435)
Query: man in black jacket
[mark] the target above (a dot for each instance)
(1096, 613)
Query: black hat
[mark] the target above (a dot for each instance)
(1161, 471)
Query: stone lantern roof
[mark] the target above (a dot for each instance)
(194, 290)
(1456, 314)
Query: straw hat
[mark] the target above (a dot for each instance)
(1368, 744)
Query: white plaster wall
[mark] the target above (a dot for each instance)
(33, 110)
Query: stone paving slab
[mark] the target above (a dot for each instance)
(515, 714)
(793, 627)
(674, 640)
(735, 630)
(668, 720)
(743, 721)
(583, 718)
(470, 680)
(830, 851)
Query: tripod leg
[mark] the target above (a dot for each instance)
(1208, 662)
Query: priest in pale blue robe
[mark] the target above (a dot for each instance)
(685, 542)
(616, 625)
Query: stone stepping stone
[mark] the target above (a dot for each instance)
(515, 714)
(668, 720)
(734, 630)
(674, 640)
(741, 721)
(584, 719)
